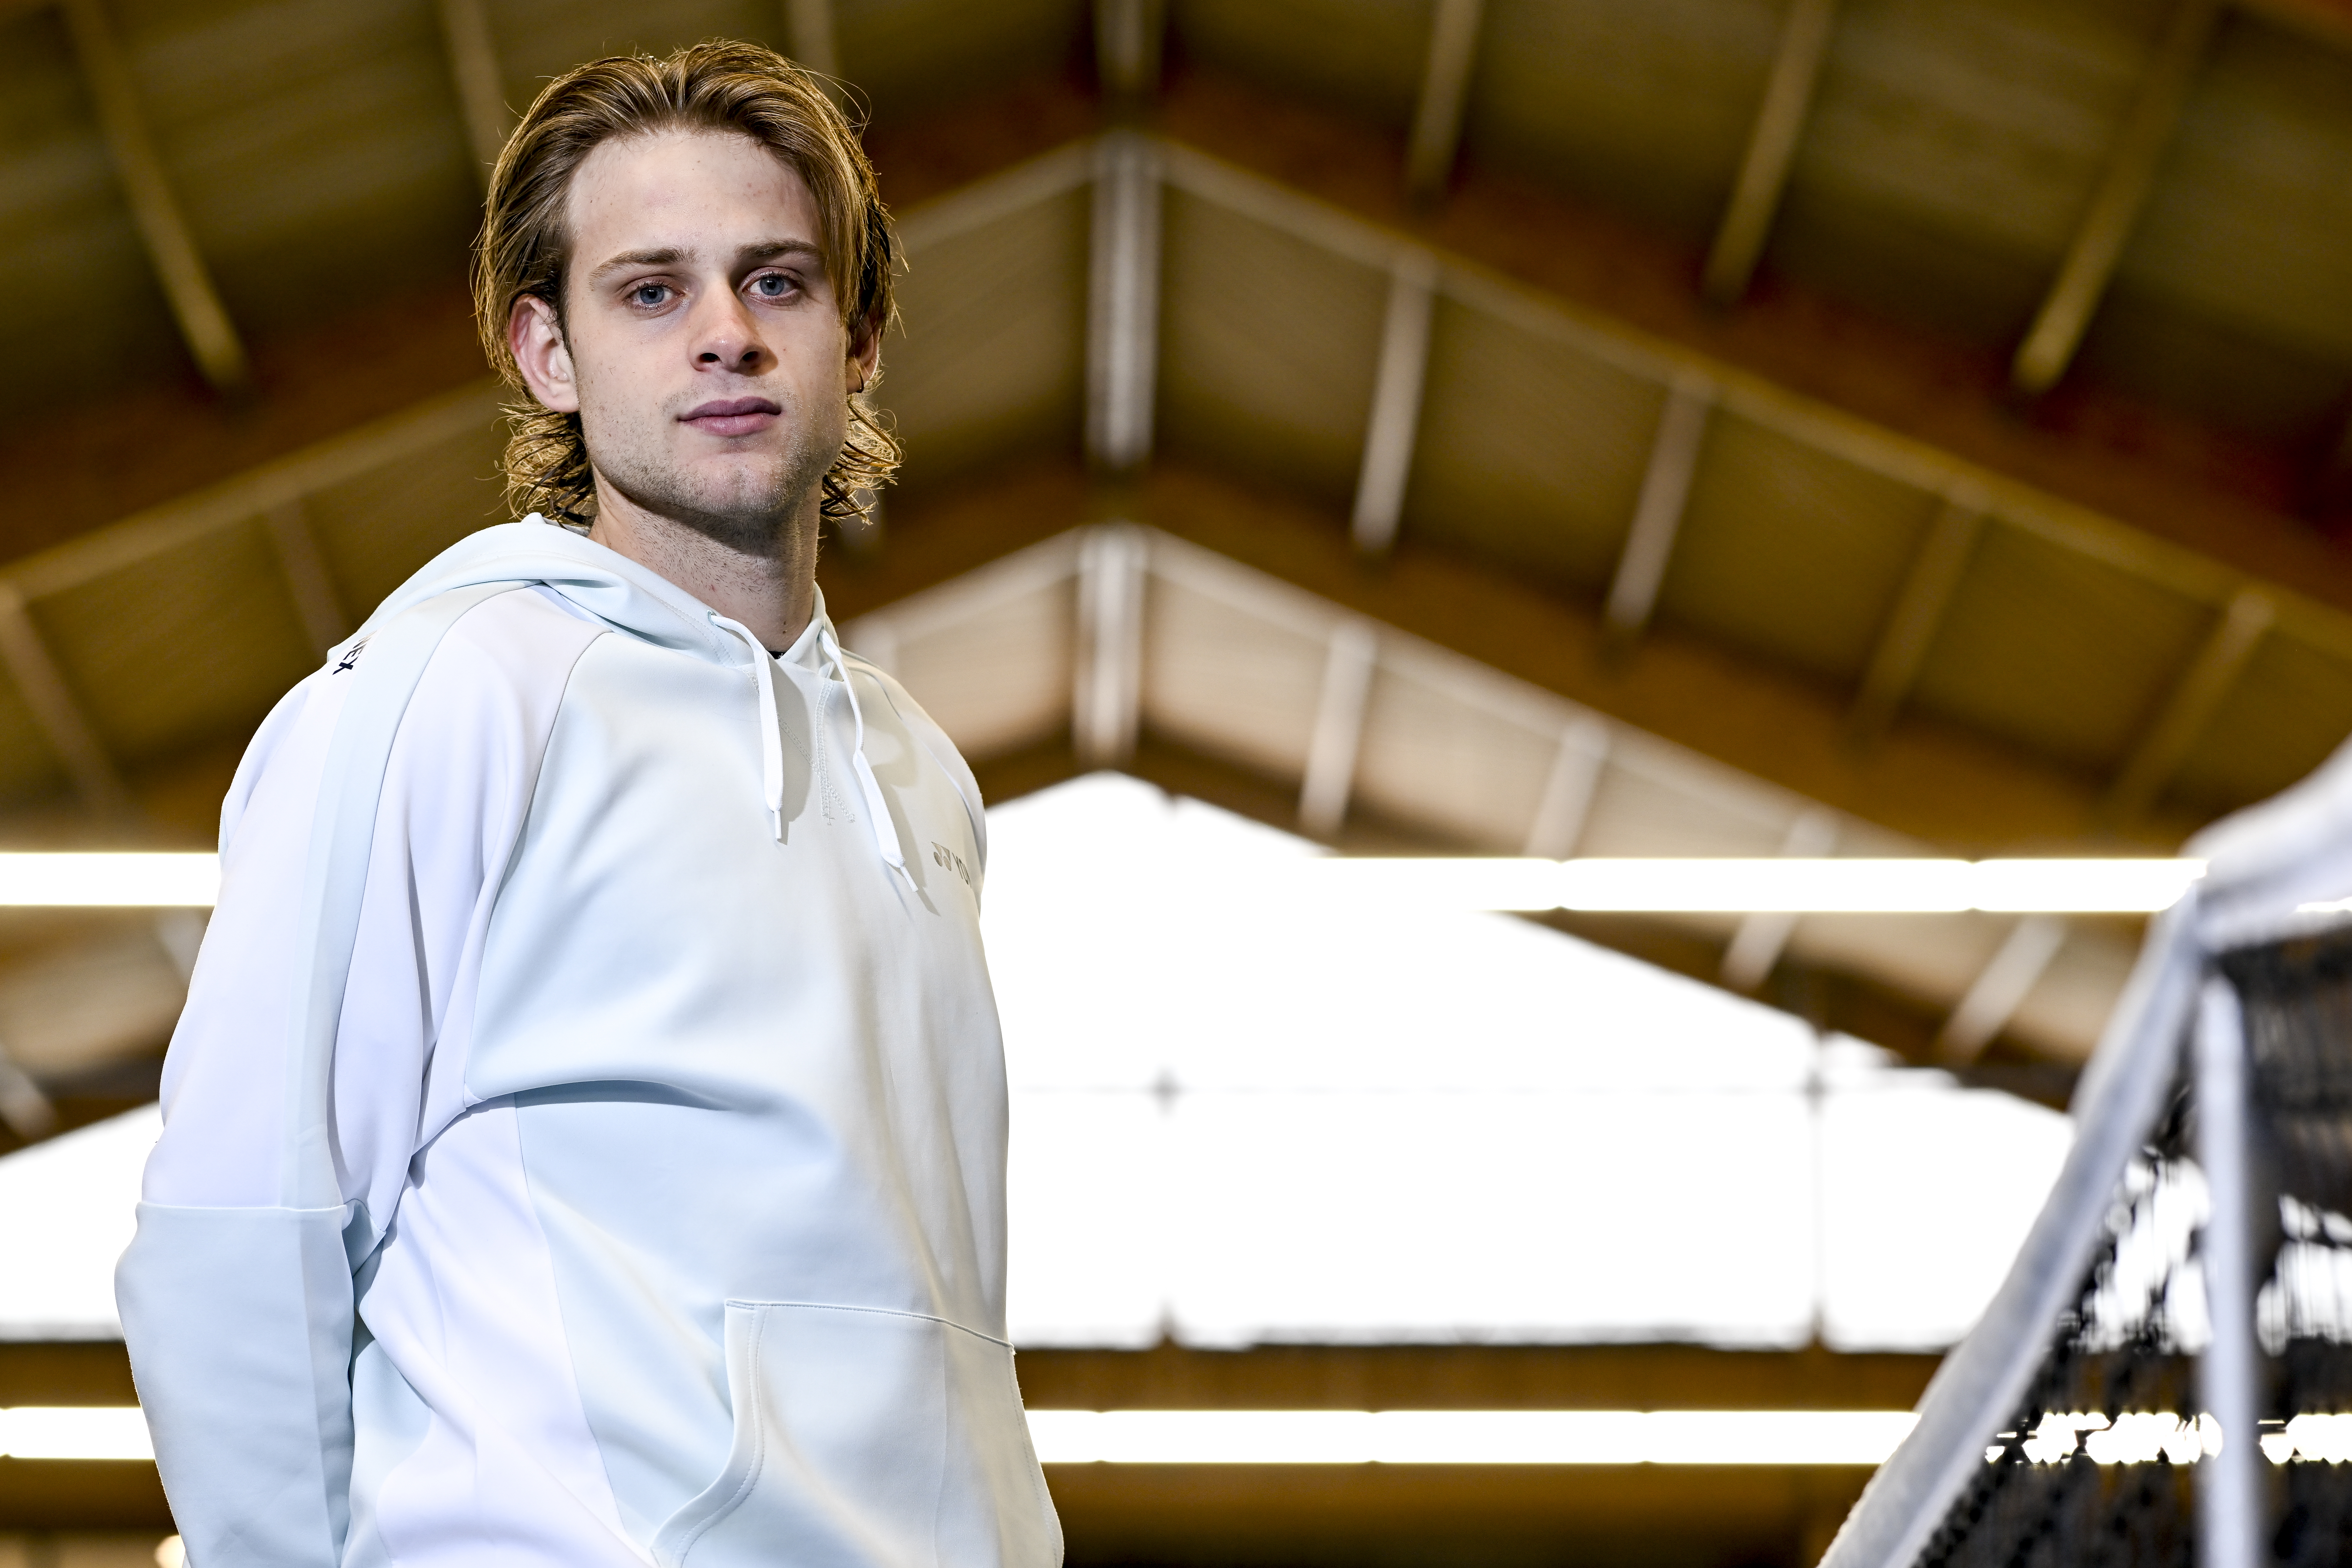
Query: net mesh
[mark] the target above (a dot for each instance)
(2098, 1462)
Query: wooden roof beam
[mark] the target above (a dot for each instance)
(24, 1109)
(1658, 514)
(1763, 935)
(26, 656)
(2324, 22)
(324, 620)
(809, 37)
(1332, 746)
(155, 213)
(1395, 419)
(1771, 150)
(1123, 304)
(481, 89)
(1999, 988)
(1910, 630)
(1566, 805)
(2193, 701)
(1127, 50)
(1108, 702)
(2098, 243)
(1436, 135)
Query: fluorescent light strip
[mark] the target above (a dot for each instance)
(1467, 1436)
(75, 1432)
(1801, 1438)
(110, 879)
(1789, 884)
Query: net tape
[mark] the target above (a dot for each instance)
(2097, 1464)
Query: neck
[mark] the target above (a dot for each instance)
(773, 592)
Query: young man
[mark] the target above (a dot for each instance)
(584, 1143)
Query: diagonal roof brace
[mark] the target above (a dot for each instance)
(1910, 631)
(2001, 988)
(155, 212)
(1397, 386)
(1763, 934)
(474, 70)
(1772, 148)
(2098, 244)
(2228, 649)
(1658, 514)
(1436, 133)
(64, 724)
(1350, 660)
(809, 39)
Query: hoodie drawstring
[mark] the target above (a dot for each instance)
(877, 811)
(772, 741)
(771, 734)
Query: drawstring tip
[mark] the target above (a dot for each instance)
(776, 821)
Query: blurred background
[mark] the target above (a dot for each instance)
(1699, 428)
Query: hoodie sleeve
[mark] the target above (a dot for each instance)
(236, 1294)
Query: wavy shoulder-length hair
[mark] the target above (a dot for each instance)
(523, 249)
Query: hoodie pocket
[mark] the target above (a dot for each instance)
(866, 1439)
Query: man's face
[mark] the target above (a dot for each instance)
(702, 346)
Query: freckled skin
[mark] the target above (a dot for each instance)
(697, 280)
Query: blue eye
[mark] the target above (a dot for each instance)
(650, 293)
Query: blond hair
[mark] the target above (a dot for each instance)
(524, 247)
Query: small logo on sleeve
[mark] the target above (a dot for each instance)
(350, 657)
(949, 860)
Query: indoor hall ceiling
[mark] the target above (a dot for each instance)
(1942, 168)
(1804, 530)
(1903, 578)
(266, 571)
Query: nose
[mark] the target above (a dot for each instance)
(727, 337)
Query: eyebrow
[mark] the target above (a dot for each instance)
(670, 256)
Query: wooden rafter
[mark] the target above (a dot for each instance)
(1566, 804)
(324, 620)
(1910, 630)
(26, 656)
(1763, 935)
(1390, 432)
(1123, 304)
(1127, 47)
(481, 87)
(1349, 663)
(2098, 243)
(1107, 702)
(1436, 133)
(1772, 148)
(809, 36)
(1658, 514)
(2197, 695)
(155, 212)
(2000, 988)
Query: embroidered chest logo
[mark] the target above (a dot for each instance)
(948, 859)
(350, 657)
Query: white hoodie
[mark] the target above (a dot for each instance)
(584, 1141)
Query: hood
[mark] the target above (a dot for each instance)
(632, 598)
(602, 582)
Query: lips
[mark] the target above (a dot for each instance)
(734, 416)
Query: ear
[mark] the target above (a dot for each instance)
(540, 354)
(864, 355)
